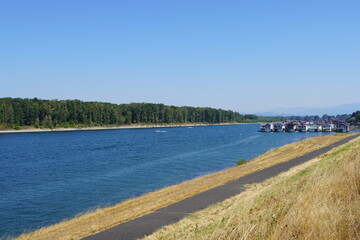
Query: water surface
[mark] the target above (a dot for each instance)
(48, 177)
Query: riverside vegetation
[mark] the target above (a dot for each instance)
(20, 113)
(102, 219)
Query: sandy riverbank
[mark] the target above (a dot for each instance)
(35, 130)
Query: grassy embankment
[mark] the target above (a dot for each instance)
(316, 200)
(101, 219)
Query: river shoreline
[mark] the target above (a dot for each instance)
(135, 126)
(106, 218)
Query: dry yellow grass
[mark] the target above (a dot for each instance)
(316, 200)
(102, 219)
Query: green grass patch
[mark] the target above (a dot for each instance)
(240, 161)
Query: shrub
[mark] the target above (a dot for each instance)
(240, 161)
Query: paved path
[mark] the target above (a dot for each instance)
(147, 224)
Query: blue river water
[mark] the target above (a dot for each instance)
(49, 177)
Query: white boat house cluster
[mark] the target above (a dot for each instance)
(301, 126)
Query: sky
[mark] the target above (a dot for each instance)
(246, 56)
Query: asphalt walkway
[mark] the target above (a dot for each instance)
(149, 223)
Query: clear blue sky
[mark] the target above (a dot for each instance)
(247, 56)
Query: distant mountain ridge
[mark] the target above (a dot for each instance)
(303, 111)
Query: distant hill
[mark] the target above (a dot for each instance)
(303, 111)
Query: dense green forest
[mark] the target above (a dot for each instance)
(315, 118)
(17, 113)
(355, 117)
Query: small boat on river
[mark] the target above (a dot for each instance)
(291, 126)
(279, 127)
(315, 128)
(328, 127)
(304, 128)
(343, 127)
(267, 127)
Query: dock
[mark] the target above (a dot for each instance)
(302, 126)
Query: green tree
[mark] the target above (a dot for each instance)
(48, 122)
(37, 123)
